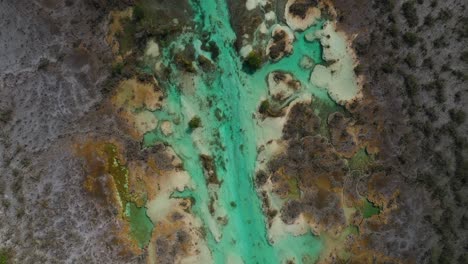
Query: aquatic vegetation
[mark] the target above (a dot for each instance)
(254, 60)
(360, 161)
(195, 122)
(369, 209)
(118, 172)
(141, 226)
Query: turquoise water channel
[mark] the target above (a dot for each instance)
(225, 99)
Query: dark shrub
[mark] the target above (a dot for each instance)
(388, 67)
(411, 60)
(410, 13)
(195, 122)
(464, 56)
(410, 38)
(411, 85)
(264, 106)
(254, 60)
(457, 116)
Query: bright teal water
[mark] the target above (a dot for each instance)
(231, 141)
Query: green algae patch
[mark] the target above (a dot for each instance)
(141, 227)
(369, 209)
(360, 161)
(149, 139)
(118, 172)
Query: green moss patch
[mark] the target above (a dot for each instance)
(5, 256)
(141, 226)
(294, 192)
(369, 209)
(119, 173)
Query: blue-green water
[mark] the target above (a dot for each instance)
(225, 100)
